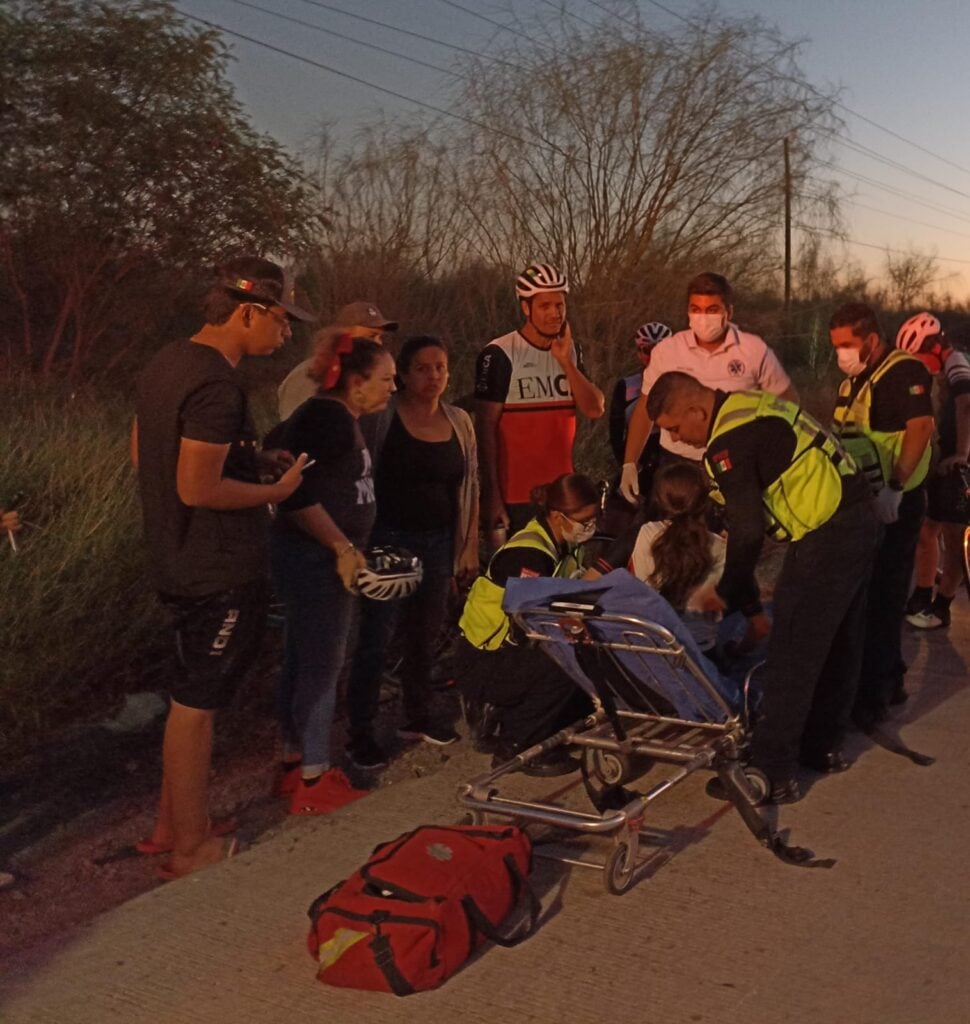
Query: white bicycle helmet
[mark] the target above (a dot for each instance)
(917, 330)
(540, 277)
(390, 573)
(649, 334)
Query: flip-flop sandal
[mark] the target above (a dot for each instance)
(165, 873)
(218, 829)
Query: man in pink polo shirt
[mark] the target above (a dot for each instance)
(715, 352)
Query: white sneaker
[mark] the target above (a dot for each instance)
(926, 619)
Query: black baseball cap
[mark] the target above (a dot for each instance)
(253, 279)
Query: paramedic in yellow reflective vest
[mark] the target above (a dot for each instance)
(778, 471)
(884, 416)
(532, 695)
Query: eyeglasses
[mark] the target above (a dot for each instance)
(580, 522)
(280, 318)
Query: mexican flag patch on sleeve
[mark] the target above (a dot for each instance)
(722, 461)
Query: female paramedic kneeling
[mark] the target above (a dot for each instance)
(532, 696)
(426, 482)
(316, 540)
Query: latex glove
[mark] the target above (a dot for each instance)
(887, 504)
(630, 482)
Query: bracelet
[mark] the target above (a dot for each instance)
(349, 546)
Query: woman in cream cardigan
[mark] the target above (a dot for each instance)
(426, 483)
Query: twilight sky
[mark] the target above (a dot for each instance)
(899, 63)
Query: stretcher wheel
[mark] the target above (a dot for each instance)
(759, 784)
(618, 871)
(474, 818)
(613, 768)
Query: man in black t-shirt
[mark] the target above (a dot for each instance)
(205, 519)
(884, 416)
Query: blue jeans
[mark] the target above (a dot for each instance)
(422, 616)
(318, 617)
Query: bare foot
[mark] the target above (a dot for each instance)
(161, 841)
(209, 852)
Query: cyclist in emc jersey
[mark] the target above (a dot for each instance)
(528, 385)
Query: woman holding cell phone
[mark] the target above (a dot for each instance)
(317, 541)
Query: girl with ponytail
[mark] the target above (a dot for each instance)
(679, 557)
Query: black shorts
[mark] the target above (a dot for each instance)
(947, 498)
(217, 638)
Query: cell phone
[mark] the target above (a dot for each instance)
(590, 608)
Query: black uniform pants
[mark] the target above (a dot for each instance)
(883, 667)
(815, 647)
(533, 697)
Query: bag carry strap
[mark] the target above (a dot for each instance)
(316, 906)
(521, 893)
(384, 959)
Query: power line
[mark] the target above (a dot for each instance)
(359, 81)
(613, 14)
(838, 103)
(896, 165)
(561, 8)
(898, 216)
(404, 31)
(864, 150)
(900, 193)
(871, 245)
(499, 131)
(349, 39)
(496, 24)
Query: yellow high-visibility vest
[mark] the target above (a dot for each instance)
(806, 495)
(483, 623)
(875, 451)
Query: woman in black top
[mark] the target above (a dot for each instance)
(427, 501)
(317, 539)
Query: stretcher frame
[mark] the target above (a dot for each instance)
(614, 741)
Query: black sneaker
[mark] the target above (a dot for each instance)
(366, 753)
(436, 733)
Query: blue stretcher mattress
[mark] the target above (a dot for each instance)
(621, 593)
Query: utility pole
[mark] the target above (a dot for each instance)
(787, 145)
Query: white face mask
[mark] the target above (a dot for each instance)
(577, 533)
(849, 362)
(707, 327)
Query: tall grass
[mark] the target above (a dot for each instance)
(78, 623)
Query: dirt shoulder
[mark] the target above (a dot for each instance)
(72, 812)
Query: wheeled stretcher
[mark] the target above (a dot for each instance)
(658, 703)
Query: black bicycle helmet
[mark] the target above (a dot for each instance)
(390, 574)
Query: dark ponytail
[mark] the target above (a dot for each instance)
(567, 494)
(682, 555)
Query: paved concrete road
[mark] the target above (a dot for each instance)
(719, 932)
